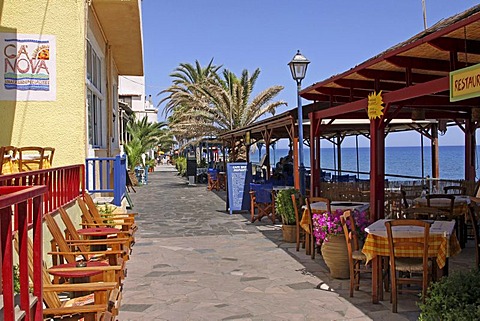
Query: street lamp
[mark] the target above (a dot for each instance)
(298, 67)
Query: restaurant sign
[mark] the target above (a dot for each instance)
(465, 83)
(28, 67)
(375, 108)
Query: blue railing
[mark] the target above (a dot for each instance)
(107, 175)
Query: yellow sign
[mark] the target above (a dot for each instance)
(465, 83)
(375, 108)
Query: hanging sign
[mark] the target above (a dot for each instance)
(28, 67)
(375, 108)
(465, 83)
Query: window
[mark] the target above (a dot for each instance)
(95, 98)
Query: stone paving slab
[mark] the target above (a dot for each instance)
(193, 261)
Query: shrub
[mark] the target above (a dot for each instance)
(456, 297)
(181, 165)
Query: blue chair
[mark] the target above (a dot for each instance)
(213, 181)
(261, 198)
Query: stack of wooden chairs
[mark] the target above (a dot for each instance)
(103, 292)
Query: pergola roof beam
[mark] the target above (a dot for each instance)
(456, 44)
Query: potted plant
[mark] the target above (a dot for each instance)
(284, 207)
(328, 232)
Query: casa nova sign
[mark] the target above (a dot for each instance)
(465, 83)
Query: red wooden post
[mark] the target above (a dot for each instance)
(377, 169)
(7, 262)
(38, 256)
(21, 219)
(470, 148)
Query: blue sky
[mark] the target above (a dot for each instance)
(334, 35)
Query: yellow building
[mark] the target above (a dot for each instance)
(59, 73)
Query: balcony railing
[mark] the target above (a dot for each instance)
(107, 175)
(14, 216)
(64, 184)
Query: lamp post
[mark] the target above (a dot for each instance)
(298, 67)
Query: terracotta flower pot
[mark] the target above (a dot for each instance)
(335, 255)
(289, 233)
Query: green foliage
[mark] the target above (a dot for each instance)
(16, 279)
(181, 165)
(144, 136)
(105, 208)
(284, 205)
(453, 298)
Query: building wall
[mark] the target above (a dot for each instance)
(61, 123)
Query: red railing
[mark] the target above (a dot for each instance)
(14, 204)
(64, 184)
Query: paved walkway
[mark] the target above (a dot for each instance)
(192, 261)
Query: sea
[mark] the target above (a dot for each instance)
(406, 161)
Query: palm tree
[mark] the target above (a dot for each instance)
(144, 136)
(204, 104)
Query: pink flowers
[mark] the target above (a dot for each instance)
(328, 224)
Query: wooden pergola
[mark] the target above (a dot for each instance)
(413, 78)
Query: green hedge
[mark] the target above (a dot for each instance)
(453, 298)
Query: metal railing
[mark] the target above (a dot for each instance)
(107, 175)
(65, 184)
(15, 202)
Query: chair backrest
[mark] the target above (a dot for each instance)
(86, 214)
(410, 192)
(455, 190)
(263, 192)
(71, 230)
(394, 205)
(48, 154)
(30, 158)
(350, 230)
(7, 154)
(401, 244)
(92, 208)
(51, 299)
(59, 238)
(473, 213)
(448, 208)
(295, 209)
(325, 200)
(423, 213)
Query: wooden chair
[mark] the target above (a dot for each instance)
(356, 259)
(213, 181)
(473, 213)
(311, 243)
(30, 158)
(7, 155)
(300, 232)
(62, 249)
(455, 190)
(410, 192)
(94, 306)
(89, 220)
(448, 209)
(127, 220)
(394, 205)
(75, 240)
(48, 153)
(401, 266)
(422, 213)
(262, 199)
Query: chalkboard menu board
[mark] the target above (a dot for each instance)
(238, 180)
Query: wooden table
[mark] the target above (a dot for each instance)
(98, 233)
(79, 275)
(443, 243)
